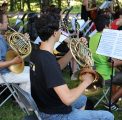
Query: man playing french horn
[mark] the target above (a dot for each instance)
(48, 88)
(23, 78)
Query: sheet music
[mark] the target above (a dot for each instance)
(73, 22)
(38, 40)
(63, 36)
(84, 25)
(81, 22)
(93, 33)
(105, 4)
(111, 44)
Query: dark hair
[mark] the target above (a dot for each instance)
(102, 21)
(120, 11)
(2, 12)
(46, 25)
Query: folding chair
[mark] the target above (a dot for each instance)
(28, 103)
(7, 87)
(104, 98)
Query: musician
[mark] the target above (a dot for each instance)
(102, 63)
(85, 9)
(23, 78)
(117, 22)
(66, 56)
(49, 90)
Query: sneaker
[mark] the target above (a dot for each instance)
(114, 106)
(74, 76)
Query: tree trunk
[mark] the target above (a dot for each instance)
(59, 3)
(68, 3)
(11, 5)
(28, 4)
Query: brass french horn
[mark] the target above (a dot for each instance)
(21, 47)
(82, 54)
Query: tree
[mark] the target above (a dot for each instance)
(28, 4)
(12, 5)
(59, 3)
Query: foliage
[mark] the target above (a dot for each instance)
(10, 111)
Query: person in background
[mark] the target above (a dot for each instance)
(117, 23)
(85, 9)
(102, 63)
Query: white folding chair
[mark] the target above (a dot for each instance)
(28, 103)
(85, 25)
(89, 28)
(92, 33)
(7, 87)
(104, 98)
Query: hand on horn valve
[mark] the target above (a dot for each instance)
(86, 71)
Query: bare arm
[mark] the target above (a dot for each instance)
(69, 96)
(117, 62)
(90, 9)
(65, 60)
(16, 60)
(85, 3)
(5, 64)
(4, 25)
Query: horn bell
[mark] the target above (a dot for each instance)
(16, 68)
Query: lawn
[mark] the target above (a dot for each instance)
(11, 111)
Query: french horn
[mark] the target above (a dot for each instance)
(83, 56)
(21, 47)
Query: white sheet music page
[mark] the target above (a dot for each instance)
(63, 36)
(110, 44)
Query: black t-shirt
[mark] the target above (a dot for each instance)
(45, 74)
(84, 13)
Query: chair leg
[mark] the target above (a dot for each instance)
(102, 98)
(22, 106)
(5, 100)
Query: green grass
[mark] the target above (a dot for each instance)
(10, 111)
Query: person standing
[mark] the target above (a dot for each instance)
(85, 10)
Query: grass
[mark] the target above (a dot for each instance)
(11, 111)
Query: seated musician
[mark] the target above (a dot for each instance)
(103, 66)
(49, 90)
(117, 22)
(23, 78)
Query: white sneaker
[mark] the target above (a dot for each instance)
(75, 75)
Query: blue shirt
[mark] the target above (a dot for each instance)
(3, 51)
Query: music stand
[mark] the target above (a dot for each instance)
(109, 46)
(111, 82)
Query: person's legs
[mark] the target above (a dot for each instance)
(117, 81)
(117, 95)
(80, 103)
(78, 114)
(23, 79)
